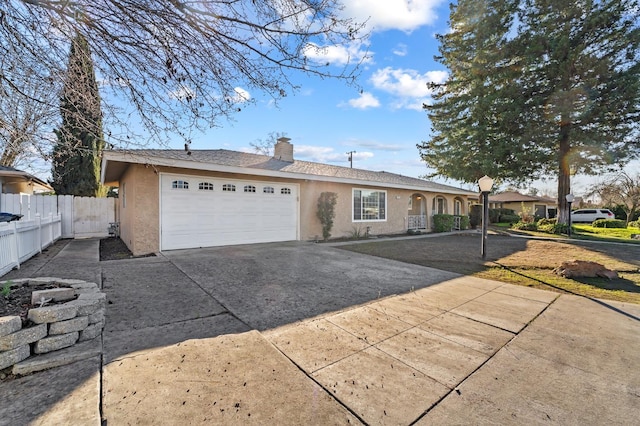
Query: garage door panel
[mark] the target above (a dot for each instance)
(202, 218)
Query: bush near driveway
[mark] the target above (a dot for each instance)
(609, 223)
(519, 261)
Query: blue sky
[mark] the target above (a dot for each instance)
(381, 120)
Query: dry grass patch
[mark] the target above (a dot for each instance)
(520, 261)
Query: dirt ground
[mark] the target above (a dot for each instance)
(115, 249)
(532, 258)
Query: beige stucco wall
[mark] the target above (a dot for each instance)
(140, 207)
(344, 225)
(17, 187)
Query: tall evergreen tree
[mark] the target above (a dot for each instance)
(469, 108)
(77, 153)
(561, 92)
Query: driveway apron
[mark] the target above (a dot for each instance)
(270, 285)
(302, 333)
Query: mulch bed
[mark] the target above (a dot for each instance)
(113, 248)
(18, 301)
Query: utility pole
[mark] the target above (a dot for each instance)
(350, 154)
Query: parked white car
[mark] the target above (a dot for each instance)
(589, 215)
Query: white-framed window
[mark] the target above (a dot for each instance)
(285, 191)
(457, 207)
(268, 190)
(228, 187)
(369, 205)
(205, 186)
(249, 188)
(439, 205)
(180, 184)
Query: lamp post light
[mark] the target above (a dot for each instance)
(569, 197)
(485, 183)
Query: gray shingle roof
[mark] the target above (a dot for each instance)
(516, 197)
(263, 162)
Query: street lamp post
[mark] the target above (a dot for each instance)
(485, 183)
(569, 197)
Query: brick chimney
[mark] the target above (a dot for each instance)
(283, 150)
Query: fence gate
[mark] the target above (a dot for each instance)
(81, 216)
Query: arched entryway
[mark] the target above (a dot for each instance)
(417, 215)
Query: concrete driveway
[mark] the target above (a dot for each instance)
(300, 333)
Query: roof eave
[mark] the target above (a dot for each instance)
(128, 157)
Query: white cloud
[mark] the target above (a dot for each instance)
(406, 82)
(408, 86)
(240, 95)
(401, 50)
(337, 54)
(366, 100)
(403, 15)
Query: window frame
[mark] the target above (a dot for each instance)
(437, 201)
(180, 184)
(205, 186)
(369, 192)
(228, 187)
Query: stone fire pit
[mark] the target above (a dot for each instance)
(71, 314)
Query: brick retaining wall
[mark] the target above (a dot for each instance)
(56, 326)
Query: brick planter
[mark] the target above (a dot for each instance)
(57, 327)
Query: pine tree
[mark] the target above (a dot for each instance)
(469, 108)
(559, 91)
(80, 141)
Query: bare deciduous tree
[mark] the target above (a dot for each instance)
(28, 112)
(265, 146)
(170, 66)
(621, 189)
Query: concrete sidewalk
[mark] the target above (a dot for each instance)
(221, 336)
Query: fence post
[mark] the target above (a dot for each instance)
(39, 222)
(16, 247)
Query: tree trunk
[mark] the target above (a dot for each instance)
(564, 175)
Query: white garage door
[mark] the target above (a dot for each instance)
(206, 212)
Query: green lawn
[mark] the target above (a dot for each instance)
(523, 261)
(583, 232)
(616, 233)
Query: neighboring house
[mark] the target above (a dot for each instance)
(172, 199)
(540, 206)
(14, 181)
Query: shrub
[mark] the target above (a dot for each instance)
(464, 222)
(326, 212)
(510, 218)
(525, 226)
(545, 221)
(495, 215)
(442, 222)
(475, 216)
(609, 223)
(525, 215)
(553, 228)
(356, 233)
(634, 224)
(620, 213)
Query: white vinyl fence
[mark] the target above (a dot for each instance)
(46, 218)
(21, 240)
(81, 216)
